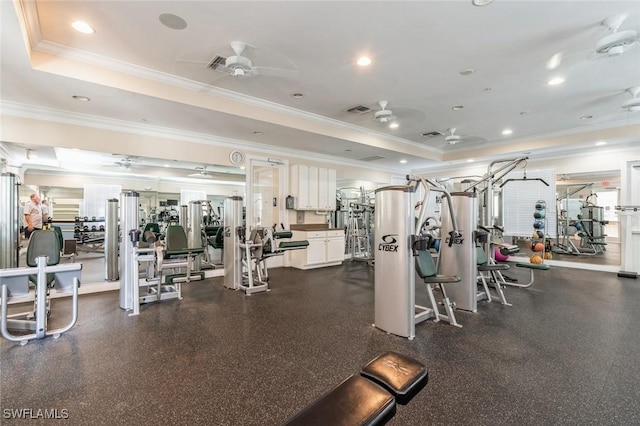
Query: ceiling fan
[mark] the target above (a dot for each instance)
(240, 65)
(451, 137)
(614, 44)
(617, 42)
(126, 162)
(202, 173)
(633, 104)
(384, 115)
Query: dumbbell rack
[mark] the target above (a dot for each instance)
(89, 235)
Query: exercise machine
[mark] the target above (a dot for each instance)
(397, 245)
(44, 271)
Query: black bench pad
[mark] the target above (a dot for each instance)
(355, 401)
(401, 375)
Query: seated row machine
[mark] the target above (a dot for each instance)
(369, 398)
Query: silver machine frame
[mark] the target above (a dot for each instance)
(134, 258)
(9, 221)
(15, 286)
(395, 273)
(233, 226)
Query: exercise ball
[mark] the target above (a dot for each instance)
(547, 255)
(498, 256)
(538, 214)
(538, 234)
(541, 205)
(538, 224)
(537, 247)
(535, 259)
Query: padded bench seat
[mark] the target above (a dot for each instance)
(404, 377)
(293, 244)
(540, 267)
(368, 399)
(355, 401)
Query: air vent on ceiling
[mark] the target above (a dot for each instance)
(372, 158)
(431, 134)
(359, 109)
(217, 62)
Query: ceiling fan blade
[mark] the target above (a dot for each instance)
(276, 72)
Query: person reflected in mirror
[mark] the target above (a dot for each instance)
(32, 215)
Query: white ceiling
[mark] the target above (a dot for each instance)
(137, 70)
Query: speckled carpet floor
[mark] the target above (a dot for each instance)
(566, 353)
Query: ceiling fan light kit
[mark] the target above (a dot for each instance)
(617, 42)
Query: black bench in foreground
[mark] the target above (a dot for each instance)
(371, 397)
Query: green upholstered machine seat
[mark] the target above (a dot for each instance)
(540, 267)
(426, 269)
(43, 243)
(483, 263)
(176, 243)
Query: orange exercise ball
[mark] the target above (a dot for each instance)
(535, 259)
(538, 247)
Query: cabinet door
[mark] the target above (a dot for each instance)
(335, 249)
(302, 186)
(323, 193)
(316, 251)
(313, 188)
(331, 189)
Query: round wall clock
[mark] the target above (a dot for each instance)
(236, 158)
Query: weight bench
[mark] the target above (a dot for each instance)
(531, 267)
(369, 398)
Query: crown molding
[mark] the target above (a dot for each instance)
(14, 109)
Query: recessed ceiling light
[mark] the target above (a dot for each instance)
(600, 143)
(586, 117)
(81, 98)
(257, 132)
(555, 81)
(457, 107)
(83, 27)
(166, 165)
(297, 95)
(488, 89)
(525, 112)
(507, 132)
(481, 2)
(394, 125)
(172, 21)
(470, 160)
(241, 167)
(403, 161)
(347, 150)
(364, 61)
(468, 71)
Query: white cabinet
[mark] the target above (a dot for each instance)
(304, 186)
(326, 189)
(313, 188)
(326, 248)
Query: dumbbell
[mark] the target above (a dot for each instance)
(101, 228)
(94, 228)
